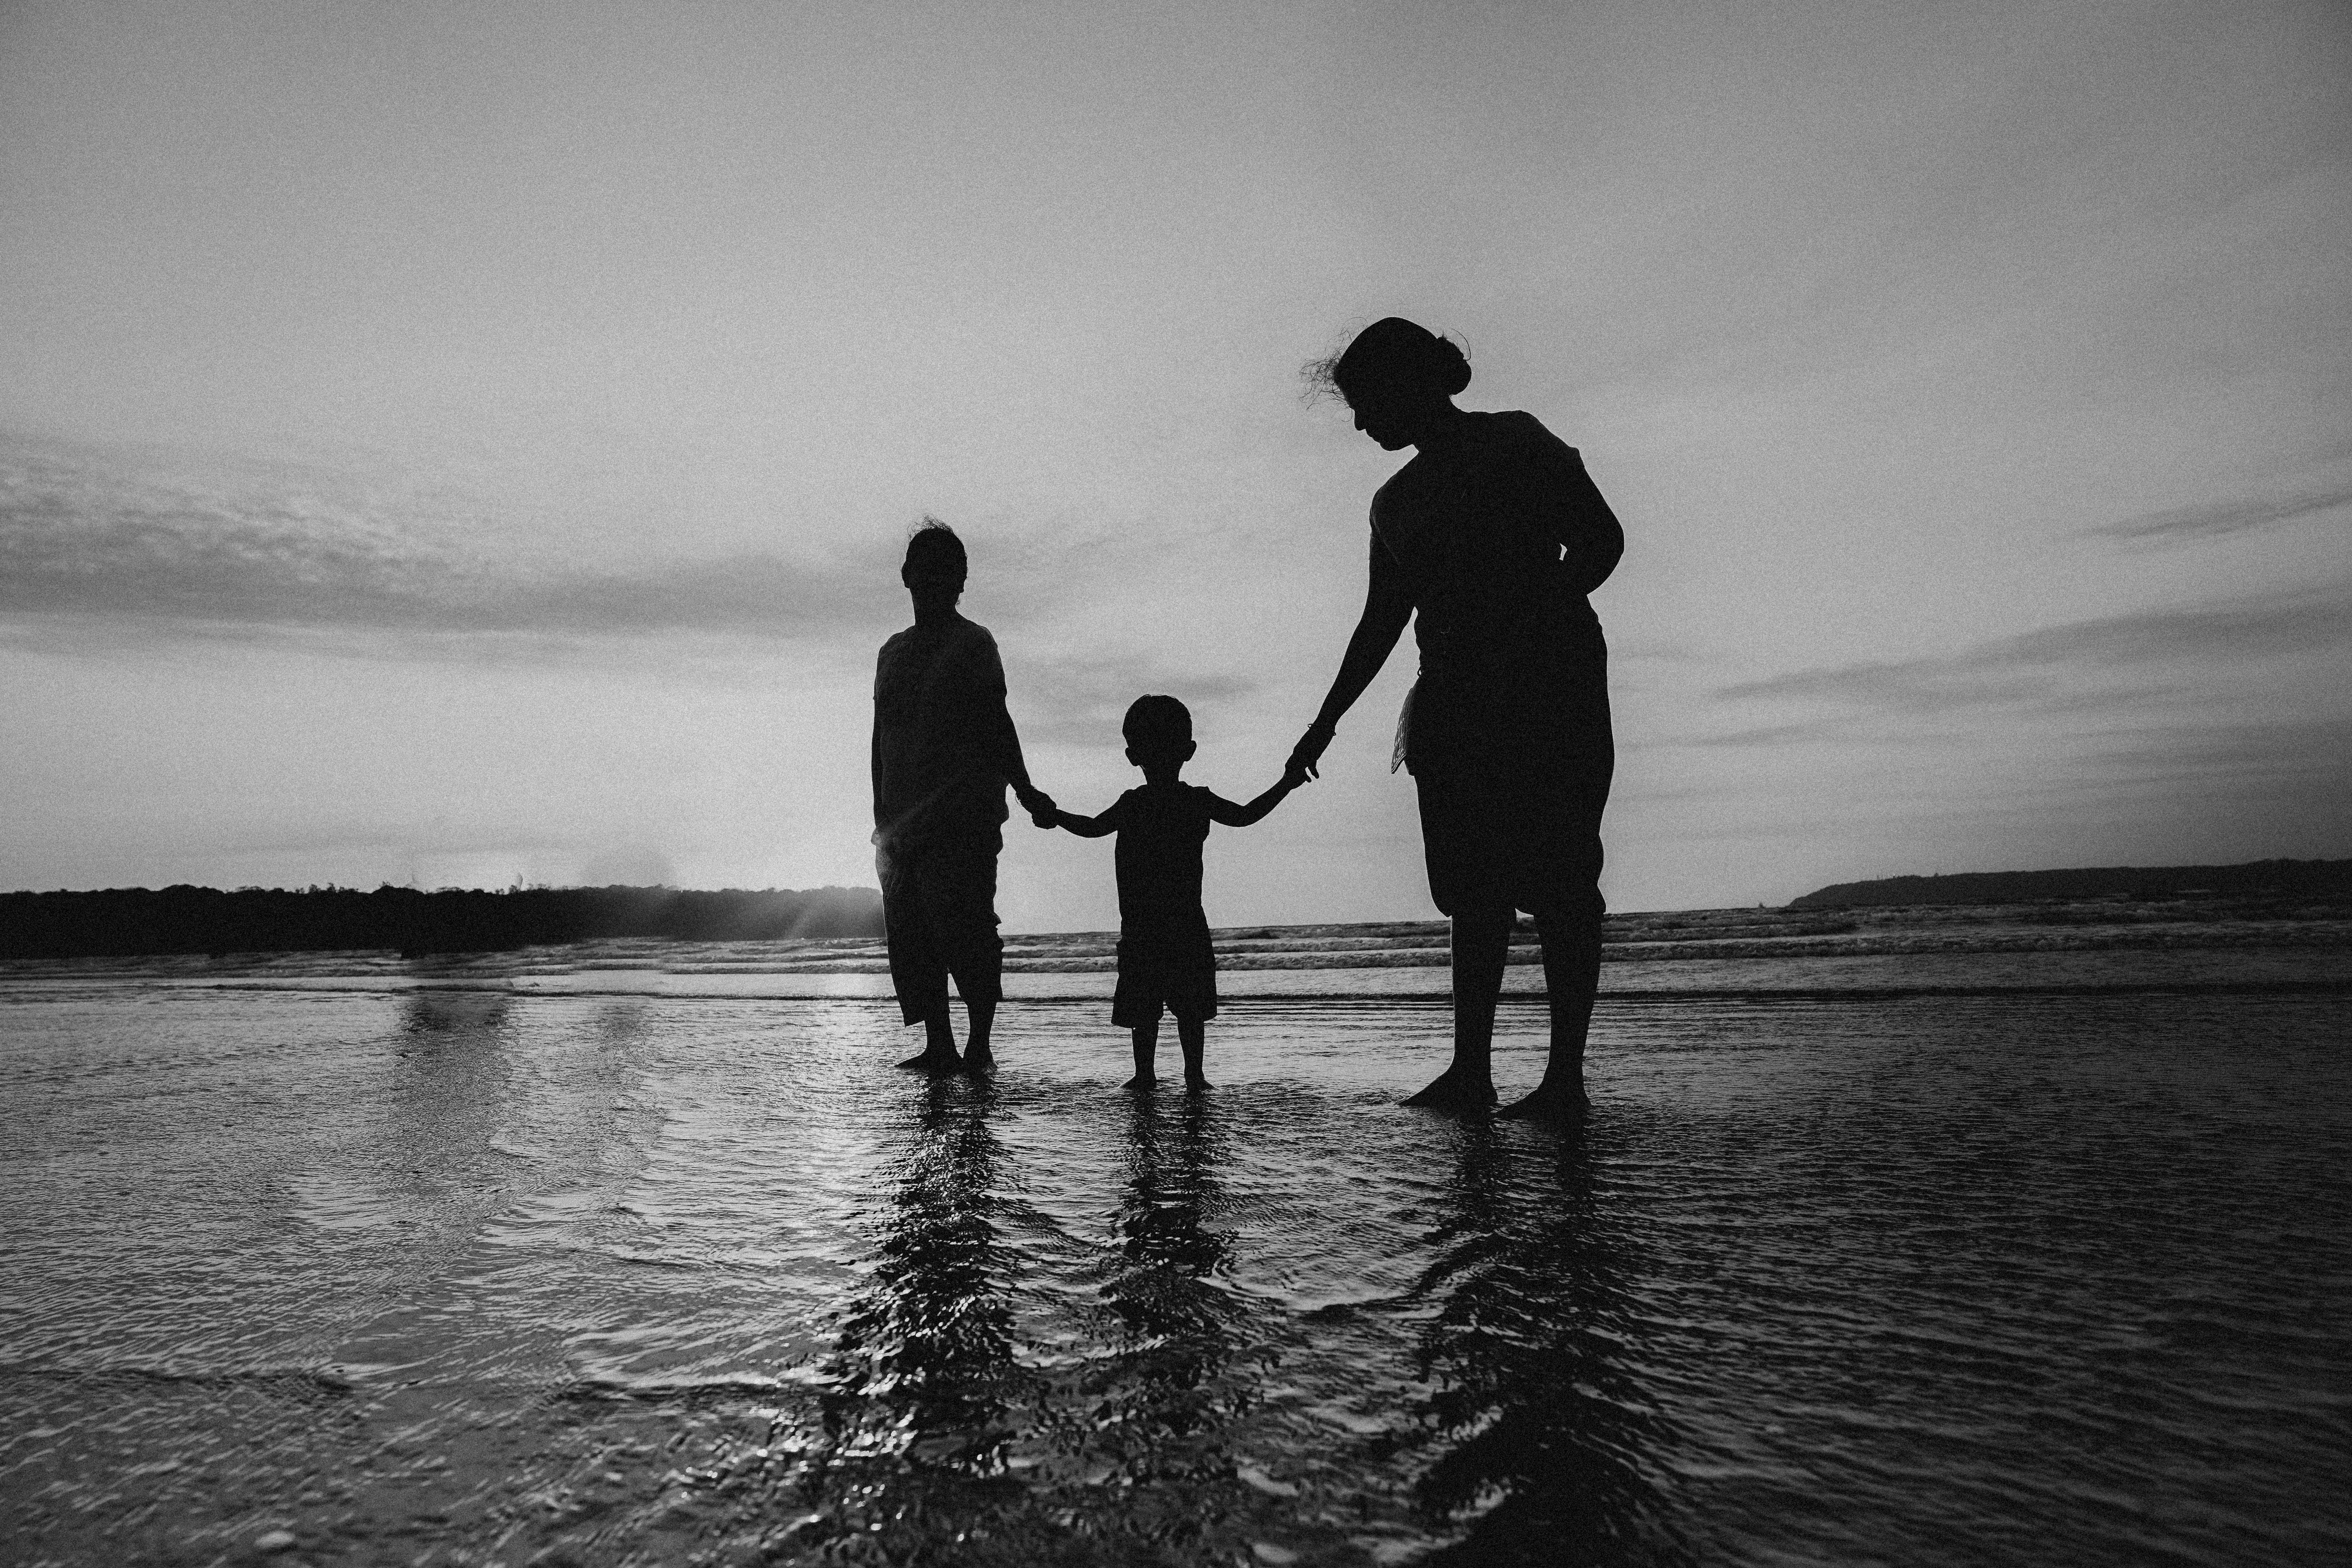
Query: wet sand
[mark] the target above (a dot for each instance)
(475, 1275)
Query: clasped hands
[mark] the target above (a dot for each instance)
(1309, 751)
(1296, 772)
(1038, 804)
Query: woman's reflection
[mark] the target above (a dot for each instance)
(1543, 1432)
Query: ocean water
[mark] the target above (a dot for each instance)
(337, 1262)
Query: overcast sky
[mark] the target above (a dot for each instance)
(462, 442)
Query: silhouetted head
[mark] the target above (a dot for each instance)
(935, 566)
(1158, 732)
(1399, 378)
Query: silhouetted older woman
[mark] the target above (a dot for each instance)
(1489, 538)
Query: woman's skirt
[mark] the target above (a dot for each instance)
(1512, 786)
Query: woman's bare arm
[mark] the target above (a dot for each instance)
(1232, 816)
(1388, 606)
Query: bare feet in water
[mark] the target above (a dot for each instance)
(1457, 1089)
(1555, 1100)
(1194, 1083)
(1142, 1083)
(935, 1062)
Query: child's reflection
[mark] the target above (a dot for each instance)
(1164, 1399)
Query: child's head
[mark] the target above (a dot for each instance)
(934, 561)
(1158, 732)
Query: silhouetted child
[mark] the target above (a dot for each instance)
(1164, 957)
(944, 749)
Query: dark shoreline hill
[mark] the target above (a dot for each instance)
(2329, 880)
(131, 921)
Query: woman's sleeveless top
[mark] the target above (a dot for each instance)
(1497, 537)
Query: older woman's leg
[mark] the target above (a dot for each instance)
(1481, 941)
(919, 965)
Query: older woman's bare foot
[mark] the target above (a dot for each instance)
(936, 1060)
(1458, 1089)
(1555, 1100)
(1143, 1082)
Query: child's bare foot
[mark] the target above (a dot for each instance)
(935, 1060)
(1459, 1091)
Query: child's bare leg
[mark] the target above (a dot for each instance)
(1481, 942)
(1147, 1046)
(977, 1056)
(1192, 1034)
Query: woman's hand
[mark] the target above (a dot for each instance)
(1309, 750)
(1038, 804)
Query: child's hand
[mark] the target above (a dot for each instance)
(1293, 776)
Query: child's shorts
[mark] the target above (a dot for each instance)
(1165, 962)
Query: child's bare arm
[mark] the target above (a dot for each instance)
(1083, 827)
(1232, 816)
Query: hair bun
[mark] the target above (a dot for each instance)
(1396, 351)
(1449, 367)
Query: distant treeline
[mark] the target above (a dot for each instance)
(131, 920)
(2292, 878)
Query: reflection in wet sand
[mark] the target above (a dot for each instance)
(1159, 1407)
(421, 1149)
(452, 1072)
(1542, 1433)
(1180, 1322)
(924, 1363)
(918, 1397)
(474, 1278)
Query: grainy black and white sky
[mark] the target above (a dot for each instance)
(454, 443)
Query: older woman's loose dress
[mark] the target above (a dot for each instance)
(1494, 537)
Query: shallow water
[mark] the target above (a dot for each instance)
(474, 1277)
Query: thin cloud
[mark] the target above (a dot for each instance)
(2278, 784)
(1762, 735)
(1080, 700)
(2318, 749)
(2037, 664)
(2217, 519)
(104, 543)
(79, 542)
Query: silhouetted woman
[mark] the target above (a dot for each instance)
(1489, 538)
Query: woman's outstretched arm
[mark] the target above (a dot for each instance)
(1233, 816)
(1388, 606)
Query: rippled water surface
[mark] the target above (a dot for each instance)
(464, 1277)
